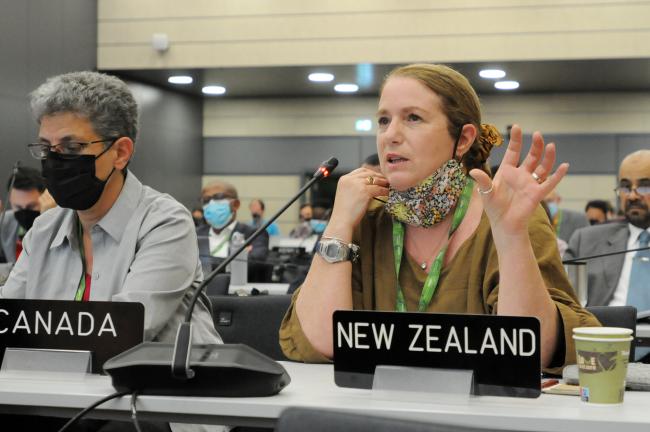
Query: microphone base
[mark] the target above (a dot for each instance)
(228, 370)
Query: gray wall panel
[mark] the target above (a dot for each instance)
(587, 154)
(631, 143)
(38, 38)
(13, 46)
(290, 155)
(169, 146)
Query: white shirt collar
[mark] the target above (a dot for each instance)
(635, 232)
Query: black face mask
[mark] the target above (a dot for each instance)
(26, 217)
(72, 182)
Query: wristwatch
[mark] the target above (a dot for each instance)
(335, 250)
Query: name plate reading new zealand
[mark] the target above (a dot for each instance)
(103, 328)
(502, 351)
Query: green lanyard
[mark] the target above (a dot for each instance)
(218, 247)
(81, 288)
(431, 282)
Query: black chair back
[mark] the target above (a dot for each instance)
(219, 285)
(251, 320)
(617, 316)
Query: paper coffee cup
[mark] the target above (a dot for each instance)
(602, 356)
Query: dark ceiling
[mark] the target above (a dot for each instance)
(534, 77)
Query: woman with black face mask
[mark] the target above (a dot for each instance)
(111, 238)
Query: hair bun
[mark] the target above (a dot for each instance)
(490, 135)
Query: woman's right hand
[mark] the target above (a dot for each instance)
(354, 192)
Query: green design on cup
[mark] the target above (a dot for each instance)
(602, 365)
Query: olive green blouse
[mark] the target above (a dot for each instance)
(469, 283)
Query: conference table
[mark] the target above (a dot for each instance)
(45, 393)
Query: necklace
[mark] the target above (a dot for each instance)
(423, 264)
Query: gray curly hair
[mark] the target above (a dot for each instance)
(106, 101)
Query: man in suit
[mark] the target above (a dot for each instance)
(220, 204)
(564, 221)
(609, 278)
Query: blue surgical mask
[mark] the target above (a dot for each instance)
(318, 225)
(552, 208)
(218, 213)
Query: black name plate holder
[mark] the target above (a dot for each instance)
(48, 333)
(455, 353)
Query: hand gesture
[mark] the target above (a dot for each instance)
(353, 194)
(516, 191)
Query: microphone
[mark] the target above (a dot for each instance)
(217, 370)
(587, 258)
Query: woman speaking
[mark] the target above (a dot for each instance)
(448, 237)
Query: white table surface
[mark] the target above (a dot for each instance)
(312, 386)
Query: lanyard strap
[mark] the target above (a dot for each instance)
(431, 283)
(218, 247)
(81, 288)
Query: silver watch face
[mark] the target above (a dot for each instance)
(333, 251)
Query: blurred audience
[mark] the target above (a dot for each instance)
(304, 229)
(564, 221)
(197, 216)
(257, 215)
(598, 211)
(27, 199)
(220, 204)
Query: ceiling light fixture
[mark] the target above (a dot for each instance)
(346, 88)
(180, 79)
(321, 77)
(213, 90)
(492, 73)
(363, 125)
(506, 85)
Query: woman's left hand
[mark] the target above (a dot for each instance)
(516, 191)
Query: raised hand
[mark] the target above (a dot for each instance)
(516, 191)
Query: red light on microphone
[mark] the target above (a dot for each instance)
(324, 171)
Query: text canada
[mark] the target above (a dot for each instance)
(55, 324)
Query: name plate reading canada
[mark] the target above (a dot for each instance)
(502, 351)
(104, 328)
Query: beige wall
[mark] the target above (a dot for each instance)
(229, 33)
(275, 191)
(554, 113)
(577, 190)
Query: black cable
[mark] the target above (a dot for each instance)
(134, 412)
(86, 410)
(579, 260)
